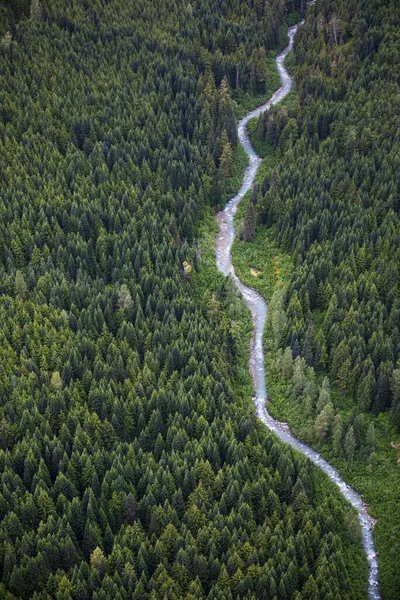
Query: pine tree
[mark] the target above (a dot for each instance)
(349, 443)
(226, 160)
(338, 434)
(226, 114)
(287, 364)
(56, 380)
(249, 223)
(323, 421)
(5, 43)
(307, 350)
(21, 288)
(395, 388)
(370, 438)
(36, 11)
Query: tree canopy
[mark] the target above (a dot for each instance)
(129, 467)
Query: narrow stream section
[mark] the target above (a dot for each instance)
(258, 307)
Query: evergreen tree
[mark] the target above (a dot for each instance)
(36, 10)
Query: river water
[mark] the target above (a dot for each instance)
(258, 307)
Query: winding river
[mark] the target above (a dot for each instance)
(258, 307)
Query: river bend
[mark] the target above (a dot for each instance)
(258, 307)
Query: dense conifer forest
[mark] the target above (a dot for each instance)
(132, 464)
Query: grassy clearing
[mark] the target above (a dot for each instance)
(262, 256)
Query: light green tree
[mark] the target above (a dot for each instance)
(21, 288)
(324, 421)
(36, 11)
(5, 43)
(350, 443)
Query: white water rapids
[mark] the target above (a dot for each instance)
(258, 307)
